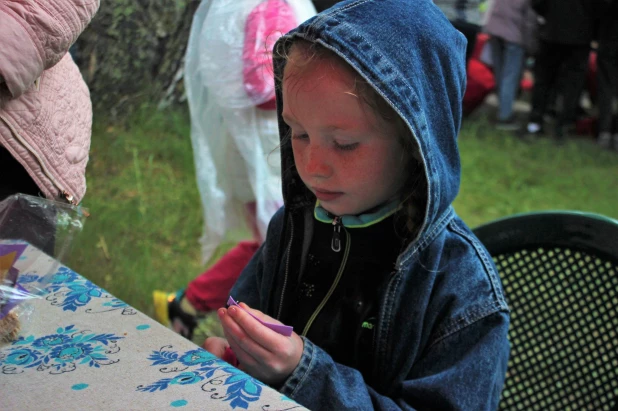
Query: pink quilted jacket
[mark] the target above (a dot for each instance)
(45, 108)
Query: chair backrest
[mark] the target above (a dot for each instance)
(560, 275)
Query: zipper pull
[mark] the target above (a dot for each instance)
(335, 243)
(69, 198)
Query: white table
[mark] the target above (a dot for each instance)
(83, 349)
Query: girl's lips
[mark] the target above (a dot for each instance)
(327, 195)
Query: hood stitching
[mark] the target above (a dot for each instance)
(427, 237)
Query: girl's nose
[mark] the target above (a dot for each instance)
(316, 162)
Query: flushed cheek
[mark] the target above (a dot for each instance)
(364, 167)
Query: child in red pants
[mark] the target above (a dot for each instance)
(206, 293)
(231, 95)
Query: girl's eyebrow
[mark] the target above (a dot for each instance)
(291, 120)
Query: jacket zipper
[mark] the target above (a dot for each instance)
(335, 283)
(335, 243)
(65, 193)
(287, 268)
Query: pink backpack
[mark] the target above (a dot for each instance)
(266, 23)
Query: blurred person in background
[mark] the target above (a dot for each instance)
(512, 26)
(561, 61)
(45, 108)
(235, 135)
(465, 16)
(607, 74)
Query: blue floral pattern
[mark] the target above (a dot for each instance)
(177, 376)
(61, 352)
(69, 290)
(198, 367)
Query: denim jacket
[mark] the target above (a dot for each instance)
(440, 340)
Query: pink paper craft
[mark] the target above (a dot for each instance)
(284, 330)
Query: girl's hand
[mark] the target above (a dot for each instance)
(262, 353)
(216, 346)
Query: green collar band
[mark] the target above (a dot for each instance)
(357, 221)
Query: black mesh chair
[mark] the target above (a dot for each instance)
(560, 274)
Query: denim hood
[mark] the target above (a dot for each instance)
(429, 101)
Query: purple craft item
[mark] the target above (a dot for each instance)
(18, 249)
(9, 300)
(284, 330)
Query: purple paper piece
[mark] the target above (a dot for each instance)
(11, 277)
(284, 330)
(19, 249)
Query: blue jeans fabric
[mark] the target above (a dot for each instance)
(508, 59)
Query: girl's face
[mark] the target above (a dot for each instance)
(345, 154)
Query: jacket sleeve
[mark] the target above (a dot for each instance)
(464, 371)
(36, 34)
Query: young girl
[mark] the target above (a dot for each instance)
(394, 302)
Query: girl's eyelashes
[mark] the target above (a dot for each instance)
(345, 147)
(300, 136)
(338, 146)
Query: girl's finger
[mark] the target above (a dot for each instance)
(266, 338)
(260, 314)
(237, 334)
(242, 356)
(216, 346)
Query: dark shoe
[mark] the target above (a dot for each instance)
(169, 312)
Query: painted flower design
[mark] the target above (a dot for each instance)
(61, 352)
(51, 340)
(70, 291)
(22, 357)
(24, 279)
(79, 294)
(63, 276)
(71, 352)
(187, 378)
(196, 357)
(222, 381)
(115, 303)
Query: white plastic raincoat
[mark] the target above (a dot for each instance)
(235, 143)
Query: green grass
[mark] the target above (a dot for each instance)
(502, 175)
(145, 211)
(146, 214)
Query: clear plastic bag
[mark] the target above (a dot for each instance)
(235, 143)
(35, 238)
